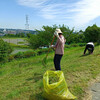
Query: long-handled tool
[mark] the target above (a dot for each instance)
(44, 60)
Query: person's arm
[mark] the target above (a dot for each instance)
(61, 39)
(85, 50)
(55, 44)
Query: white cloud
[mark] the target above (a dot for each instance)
(79, 13)
(46, 8)
(88, 11)
(32, 3)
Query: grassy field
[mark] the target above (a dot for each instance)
(17, 41)
(22, 79)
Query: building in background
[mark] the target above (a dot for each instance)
(4, 31)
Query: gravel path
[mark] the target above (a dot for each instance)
(93, 91)
(96, 91)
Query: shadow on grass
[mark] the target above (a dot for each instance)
(36, 97)
(36, 77)
(1, 73)
(98, 55)
(85, 55)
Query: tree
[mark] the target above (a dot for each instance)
(92, 33)
(45, 36)
(42, 38)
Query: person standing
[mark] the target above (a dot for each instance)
(59, 48)
(89, 47)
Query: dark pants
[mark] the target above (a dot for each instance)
(90, 48)
(57, 59)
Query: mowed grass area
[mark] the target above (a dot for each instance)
(15, 40)
(23, 79)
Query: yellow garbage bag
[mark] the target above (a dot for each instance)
(55, 86)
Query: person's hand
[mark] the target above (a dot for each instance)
(56, 34)
(51, 46)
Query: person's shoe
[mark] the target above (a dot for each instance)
(83, 54)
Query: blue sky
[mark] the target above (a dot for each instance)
(73, 13)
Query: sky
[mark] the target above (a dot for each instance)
(72, 13)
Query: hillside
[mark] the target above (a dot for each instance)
(22, 79)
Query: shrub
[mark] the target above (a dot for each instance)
(96, 44)
(67, 46)
(25, 54)
(29, 54)
(81, 44)
(74, 45)
(44, 50)
(11, 57)
(19, 55)
(5, 50)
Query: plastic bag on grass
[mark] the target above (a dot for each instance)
(55, 86)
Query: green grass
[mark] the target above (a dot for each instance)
(18, 46)
(22, 79)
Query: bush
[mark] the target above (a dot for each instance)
(74, 45)
(96, 44)
(25, 54)
(28, 54)
(11, 57)
(81, 44)
(44, 50)
(19, 55)
(67, 46)
(5, 50)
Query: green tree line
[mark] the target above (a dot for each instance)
(45, 36)
(15, 35)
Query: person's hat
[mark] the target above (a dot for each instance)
(58, 30)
